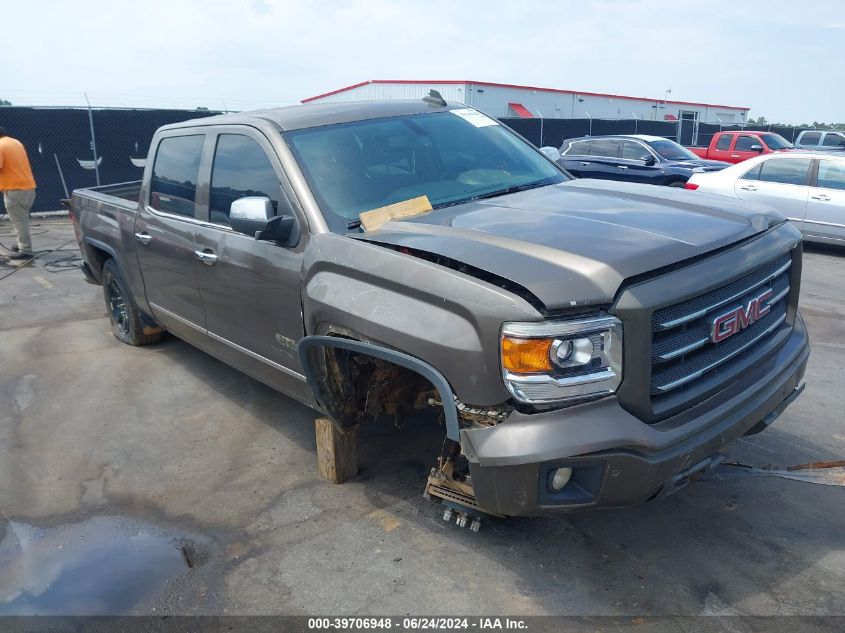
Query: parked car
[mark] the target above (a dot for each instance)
(808, 188)
(735, 147)
(823, 140)
(570, 334)
(636, 158)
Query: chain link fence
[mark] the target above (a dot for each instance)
(553, 132)
(60, 143)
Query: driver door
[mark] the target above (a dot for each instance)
(250, 289)
(638, 169)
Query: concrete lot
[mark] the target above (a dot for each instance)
(158, 480)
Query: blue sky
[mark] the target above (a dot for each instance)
(783, 59)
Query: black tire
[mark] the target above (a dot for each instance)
(123, 314)
(679, 184)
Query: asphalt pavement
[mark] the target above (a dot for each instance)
(194, 487)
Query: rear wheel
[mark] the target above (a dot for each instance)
(124, 316)
(676, 183)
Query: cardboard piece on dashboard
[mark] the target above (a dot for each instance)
(372, 220)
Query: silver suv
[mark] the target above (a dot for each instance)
(821, 140)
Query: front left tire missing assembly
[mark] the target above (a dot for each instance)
(124, 316)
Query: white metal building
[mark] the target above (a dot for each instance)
(507, 100)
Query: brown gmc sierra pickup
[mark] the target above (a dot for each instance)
(585, 343)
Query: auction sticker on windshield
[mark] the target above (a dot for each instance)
(475, 117)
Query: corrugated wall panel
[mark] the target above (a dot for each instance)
(382, 92)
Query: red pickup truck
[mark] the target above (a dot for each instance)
(735, 147)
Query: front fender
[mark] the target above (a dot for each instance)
(445, 318)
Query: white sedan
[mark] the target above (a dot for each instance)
(806, 187)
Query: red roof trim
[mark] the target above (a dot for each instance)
(499, 85)
(334, 92)
(521, 110)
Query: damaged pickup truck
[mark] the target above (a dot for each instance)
(583, 343)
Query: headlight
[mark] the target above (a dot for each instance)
(554, 361)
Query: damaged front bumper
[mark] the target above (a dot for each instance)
(616, 459)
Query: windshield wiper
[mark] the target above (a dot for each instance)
(513, 189)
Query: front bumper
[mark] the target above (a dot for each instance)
(617, 459)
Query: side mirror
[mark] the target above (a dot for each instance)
(756, 148)
(254, 216)
(249, 215)
(552, 153)
(281, 228)
(648, 159)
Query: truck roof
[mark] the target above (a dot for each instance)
(298, 117)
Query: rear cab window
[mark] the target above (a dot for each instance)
(724, 142)
(173, 188)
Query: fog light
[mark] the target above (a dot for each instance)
(561, 478)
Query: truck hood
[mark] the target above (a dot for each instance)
(573, 244)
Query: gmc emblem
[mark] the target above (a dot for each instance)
(727, 324)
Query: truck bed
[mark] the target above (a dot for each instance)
(105, 215)
(122, 194)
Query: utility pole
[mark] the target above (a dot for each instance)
(93, 140)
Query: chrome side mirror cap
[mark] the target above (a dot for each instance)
(250, 215)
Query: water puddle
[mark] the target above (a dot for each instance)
(104, 565)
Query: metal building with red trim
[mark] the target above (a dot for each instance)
(511, 100)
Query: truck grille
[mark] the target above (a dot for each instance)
(682, 348)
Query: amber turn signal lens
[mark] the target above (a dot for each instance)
(526, 356)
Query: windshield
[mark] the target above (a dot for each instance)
(670, 150)
(776, 141)
(451, 157)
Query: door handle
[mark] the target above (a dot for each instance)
(749, 188)
(144, 238)
(206, 257)
(822, 196)
(734, 155)
(622, 166)
(584, 164)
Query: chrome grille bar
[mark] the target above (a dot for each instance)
(697, 374)
(666, 325)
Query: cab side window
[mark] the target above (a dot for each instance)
(577, 148)
(744, 143)
(724, 142)
(605, 147)
(831, 139)
(174, 183)
(633, 150)
(787, 171)
(831, 174)
(241, 169)
(811, 138)
(753, 173)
